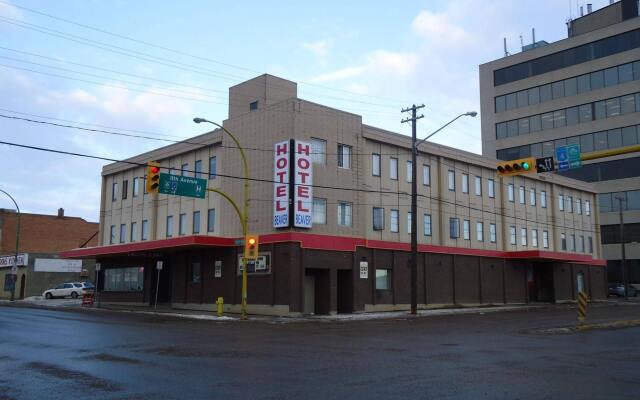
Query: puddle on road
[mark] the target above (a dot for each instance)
(76, 377)
(108, 358)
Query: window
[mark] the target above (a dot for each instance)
(144, 235)
(172, 171)
(196, 272)
(492, 188)
(426, 219)
(344, 156)
(253, 105)
(123, 279)
(383, 279)
(581, 244)
(590, 241)
(426, 175)
(196, 222)
(521, 193)
(409, 171)
(579, 206)
(112, 234)
(572, 243)
(587, 207)
(479, 231)
(532, 197)
(123, 233)
(451, 175)
(545, 239)
(561, 202)
(213, 167)
(454, 228)
(534, 237)
(344, 213)
(394, 221)
(478, 186)
(132, 235)
(378, 218)
(169, 231)
(318, 151)
(211, 220)
(375, 164)
(512, 235)
(466, 235)
(510, 192)
(136, 187)
(125, 189)
(523, 236)
(197, 167)
(492, 233)
(319, 211)
(409, 223)
(184, 169)
(543, 199)
(570, 204)
(114, 191)
(182, 224)
(393, 168)
(563, 241)
(465, 183)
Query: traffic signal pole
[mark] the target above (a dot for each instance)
(15, 257)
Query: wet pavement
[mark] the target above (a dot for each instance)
(51, 354)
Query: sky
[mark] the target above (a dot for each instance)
(148, 67)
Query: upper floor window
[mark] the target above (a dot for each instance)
(426, 175)
(523, 236)
(344, 213)
(521, 195)
(579, 206)
(561, 202)
(112, 234)
(378, 218)
(196, 222)
(512, 235)
(114, 191)
(344, 156)
(132, 232)
(125, 189)
(492, 187)
(409, 171)
(213, 167)
(570, 204)
(587, 207)
(427, 224)
(545, 239)
(409, 223)
(184, 169)
(534, 237)
(510, 194)
(144, 234)
(394, 221)
(197, 167)
(492, 233)
(454, 228)
(393, 168)
(563, 241)
(466, 235)
(375, 164)
(211, 220)
(532, 197)
(182, 224)
(136, 186)
(478, 186)
(543, 199)
(451, 176)
(479, 231)
(123, 233)
(465, 183)
(318, 151)
(319, 211)
(169, 231)
(253, 105)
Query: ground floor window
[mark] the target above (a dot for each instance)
(124, 279)
(383, 279)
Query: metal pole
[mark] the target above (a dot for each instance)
(414, 217)
(623, 261)
(155, 306)
(97, 290)
(15, 257)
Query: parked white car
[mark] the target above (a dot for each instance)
(69, 289)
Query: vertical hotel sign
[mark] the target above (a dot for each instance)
(293, 180)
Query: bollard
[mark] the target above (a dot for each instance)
(582, 307)
(220, 303)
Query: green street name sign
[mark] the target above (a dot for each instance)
(179, 185)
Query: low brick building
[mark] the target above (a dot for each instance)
(42, 236)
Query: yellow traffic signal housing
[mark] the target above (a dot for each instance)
(251, 247)
(517, 167)
(153, 177)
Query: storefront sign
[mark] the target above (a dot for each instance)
(217, 273)
(303, 193)
(7, 261)
(364, 270)
(281, 185)
(57, 265)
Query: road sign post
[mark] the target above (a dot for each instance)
(97, 292)
(158, 268)
(179, 185)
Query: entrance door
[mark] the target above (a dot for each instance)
(345, 291)
(541, 288)
(22, 285)
(309, 294)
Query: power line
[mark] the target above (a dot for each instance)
(371, 191)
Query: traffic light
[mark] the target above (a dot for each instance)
(517, 167)
(153, 176)
(251, 247)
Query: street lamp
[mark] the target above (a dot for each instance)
(414, 207)
(244, 215)
(15, 257)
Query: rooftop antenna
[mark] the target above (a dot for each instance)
(506, 53)
(521, 41)
(581, 11)
(533, 37)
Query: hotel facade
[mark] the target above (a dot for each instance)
(329, 199)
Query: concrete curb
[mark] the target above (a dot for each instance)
(567, 330)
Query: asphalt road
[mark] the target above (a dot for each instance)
(50, 354)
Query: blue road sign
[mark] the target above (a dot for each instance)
(568, 157)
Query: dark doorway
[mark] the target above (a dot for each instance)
(319, 280)
(345, 291)
(22, 284)
(540, 282)
(164, 286)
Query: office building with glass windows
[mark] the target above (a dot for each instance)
(334, 232)
(581, 90)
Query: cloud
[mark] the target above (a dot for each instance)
(320, 48)
(7, 10)
(339, 75)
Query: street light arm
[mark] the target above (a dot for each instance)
(15, 259)
(467, 114)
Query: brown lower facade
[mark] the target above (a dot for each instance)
(292, 279)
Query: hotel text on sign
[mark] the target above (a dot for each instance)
(281, 184)
(303, 191)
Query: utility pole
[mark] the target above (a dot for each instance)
(623, 261)
(414, 206)
(14, 275)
